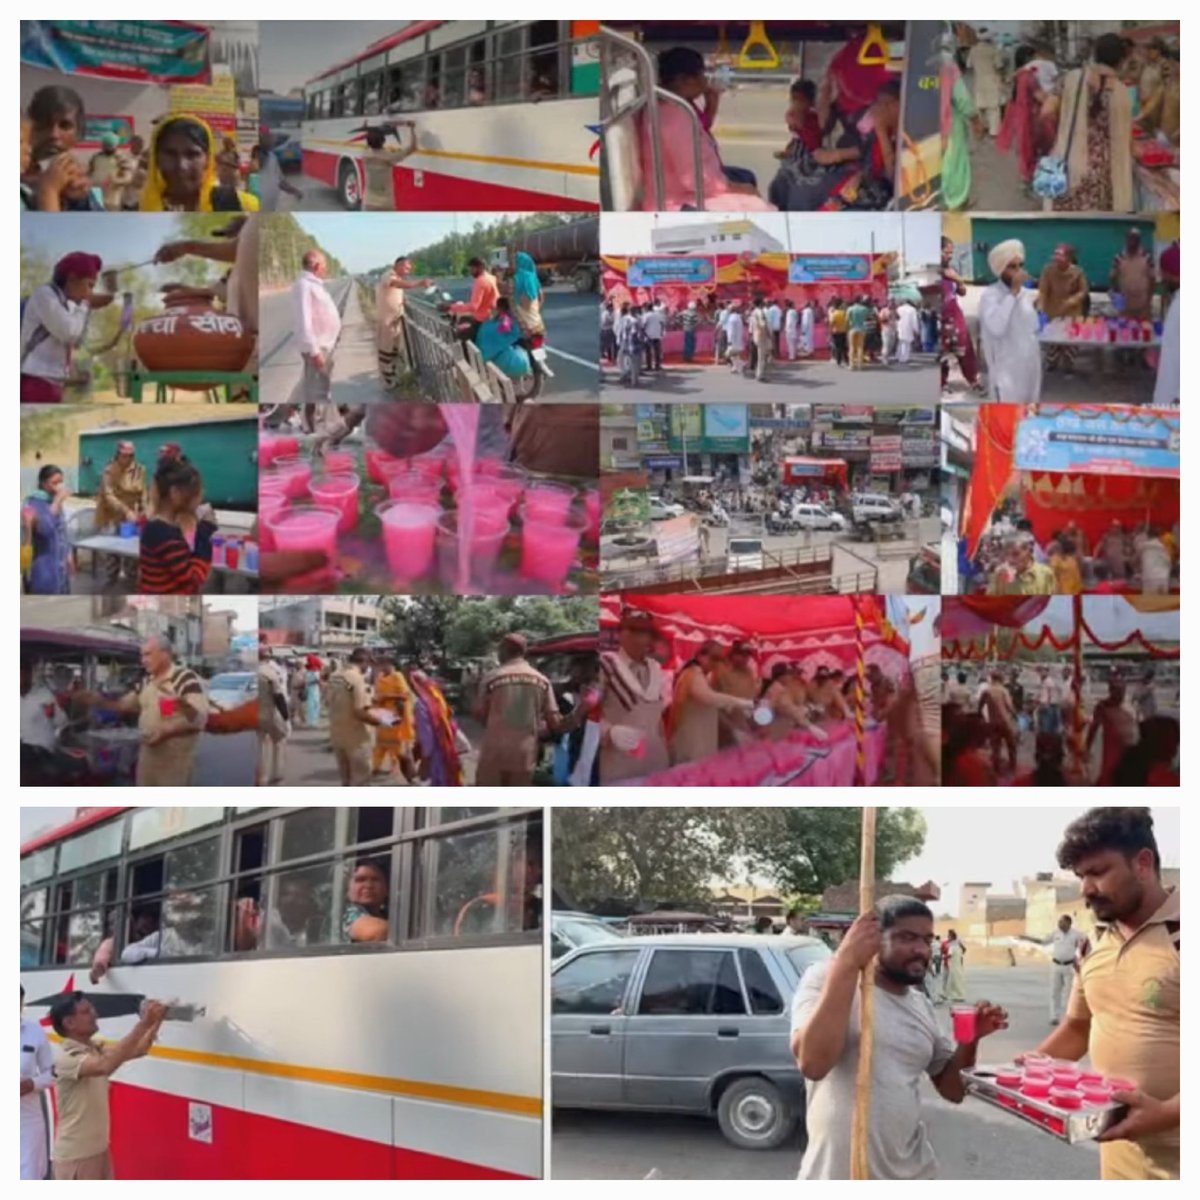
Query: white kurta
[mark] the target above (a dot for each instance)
(908, 325)
(37, 1063)
(1010, 344)
(806, 330)
(985, 78)
(1166, 385)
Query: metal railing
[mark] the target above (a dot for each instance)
(443, 373)
(611, 44)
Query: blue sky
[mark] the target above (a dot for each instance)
(291, 52)
(119, 238)
(366, 240)
(1111, 618)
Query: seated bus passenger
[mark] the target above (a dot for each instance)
(184, 933)
(365, 918)
(289, 925)
(681, 71)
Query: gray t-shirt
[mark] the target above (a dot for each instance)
(908, 1044)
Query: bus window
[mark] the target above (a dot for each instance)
(406, 86)
(307, 832)
(508, 71)
(150, 825)
(372, 90)
(84, 927)
(300, 912)
(543, 60)
(94, 846)
(433, 84)
(454, 77)
(370, 824)
(482, 882)
(38, 865)
(365, 911)
(33, 928)
(182, 923)
(446, 816)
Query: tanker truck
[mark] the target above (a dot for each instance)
(569, 252)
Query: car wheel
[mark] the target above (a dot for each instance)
(753, 1115)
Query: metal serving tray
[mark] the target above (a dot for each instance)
(1068, 1125)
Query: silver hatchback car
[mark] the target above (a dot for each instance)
(684, 1023)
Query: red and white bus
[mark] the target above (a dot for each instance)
(505, 115)
(317, 1055)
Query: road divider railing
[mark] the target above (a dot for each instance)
(449, 371)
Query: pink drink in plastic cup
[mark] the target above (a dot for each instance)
(375, 460)
(269, 503)
(167, 706)
(488, 531)
(340, 492)
(592, 506)
(232, 551)
(272, 446)
(548, 502)
(1091, 1077)
(1038, 1089)
(1010, 1079)
(1065, 1098)
(548, 550)
(339, 462)
(1095, 1093)
(409, 528)
(484, 499)
(489, 466)
(431, 466)
(1065, 1077)
(298, 471)
(306, 527)
(414, 488)
(963, 1018)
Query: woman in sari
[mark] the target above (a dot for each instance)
(438, 737)
(956, 337)
(183, 175)
(1095, 134)
(958, 117)
(527, 295)
(1024, 130)
(45, 526)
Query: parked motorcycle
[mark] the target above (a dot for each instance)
(528, 384)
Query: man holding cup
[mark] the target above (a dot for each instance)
(894, 943)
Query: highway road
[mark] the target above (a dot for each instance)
(571, 324)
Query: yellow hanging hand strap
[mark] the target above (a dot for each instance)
(874, 51)
(766, 58)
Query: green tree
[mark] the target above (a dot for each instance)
(645, 857)
(282, 245)
(806, 850)
(455, 628)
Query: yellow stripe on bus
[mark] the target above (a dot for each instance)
(525, 1106)
(570, 168)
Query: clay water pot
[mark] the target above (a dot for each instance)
(193, 338)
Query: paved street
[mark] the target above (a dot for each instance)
(996, 184)
(571, 323)
(849, 557)
(816, 381)
(309, 760)
(972, 1141)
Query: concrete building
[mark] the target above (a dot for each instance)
(334, 624)
(715, 237)
(983, 915)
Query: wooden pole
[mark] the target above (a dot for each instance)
(859, 1164)
(860, 700)
(1077, 748)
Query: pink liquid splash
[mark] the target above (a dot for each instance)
(462, 420)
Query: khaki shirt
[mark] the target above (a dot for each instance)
(518, 699)
(1128, 991)
(82, 1103)
(348, 695)
(169, 763)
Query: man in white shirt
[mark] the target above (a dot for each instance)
(735, 340)
(37, 1076)
(908, 329)
(1009, 323)
(317, 327)
(653, 326)
(807, 323)
(720, 333)
(41, 718)
(1067, 948)
(791, 329)
(775, 319)
(894, 943)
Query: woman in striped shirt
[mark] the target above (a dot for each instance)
(176, 544)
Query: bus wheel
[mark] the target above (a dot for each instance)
(351, 193)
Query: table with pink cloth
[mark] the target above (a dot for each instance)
(799, 760)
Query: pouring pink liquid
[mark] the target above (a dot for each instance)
(488, 531)
(462, 420)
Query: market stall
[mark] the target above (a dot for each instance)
(846, 633)
(1087, 464)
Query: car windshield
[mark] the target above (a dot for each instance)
(744, 547)
(583, 933)
(804, 956)
(229, 683)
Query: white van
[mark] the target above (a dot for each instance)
(817, 516)
(872, 506)
(743, 554)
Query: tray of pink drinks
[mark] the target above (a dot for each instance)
(502, 530)
(1070, 1102)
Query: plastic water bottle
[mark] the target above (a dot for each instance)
(179, 1012)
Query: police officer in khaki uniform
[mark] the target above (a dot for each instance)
(350, 718)
(1124, 1009)
(172, 709)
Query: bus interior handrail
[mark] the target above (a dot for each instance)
(697, 168)
(609, 39)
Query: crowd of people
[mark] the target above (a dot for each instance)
(752, 336)
(392, 723)
(999, 726)
(838, 138)
(722, 697)
(185, 166)
(1140, 557)
(1093, 117)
